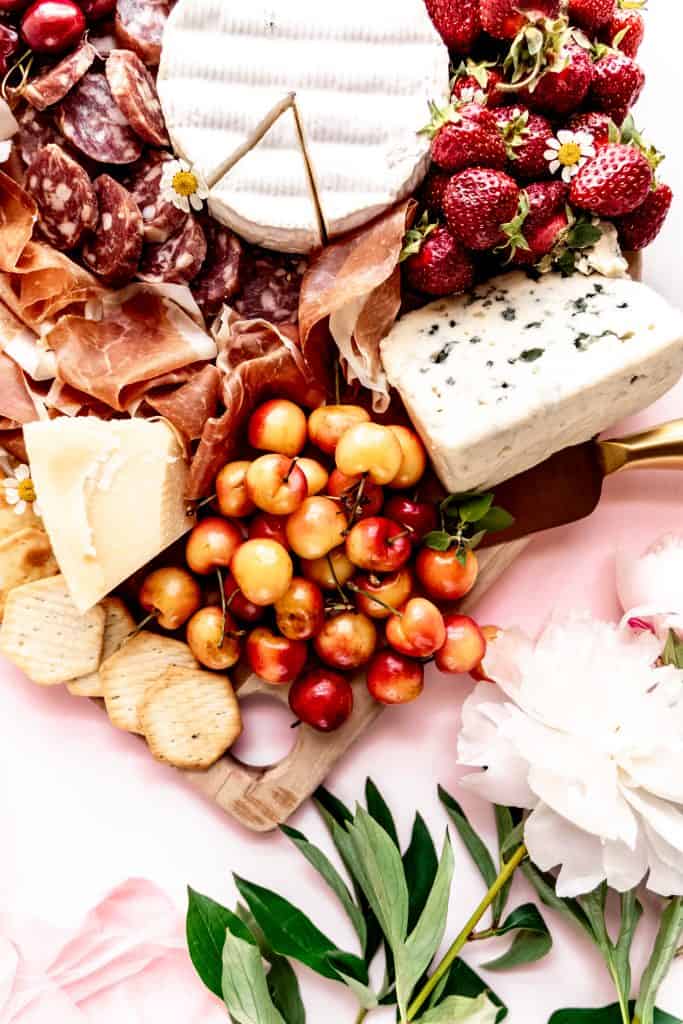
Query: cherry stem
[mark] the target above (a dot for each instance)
(337, 385)
(293, 463)
(377, 600)
(193, 509)
(337, 584)
(295, 725)
(358, 498)
(224, 606)
(141, 625)
(399, 536)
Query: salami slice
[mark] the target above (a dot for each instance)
(52, 86)
(140, 26)
(35, 131)
(270, 287)
(113, 251)
(178, 260)
(90, 119)
(134, 90)
(219, 280)
(65, 197)
(162, 219)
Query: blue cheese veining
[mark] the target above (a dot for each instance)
(498, 380)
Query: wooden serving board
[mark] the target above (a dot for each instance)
(263, 798)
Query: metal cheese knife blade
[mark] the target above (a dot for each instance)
(568, 486)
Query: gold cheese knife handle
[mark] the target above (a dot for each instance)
(658, 448)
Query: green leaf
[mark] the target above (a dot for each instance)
(418, 952)
(283, 986)
(673, 651)
(583, 235)
(420, 864)
(438, 540)
(475, 508)
(512, 840)
(206, 925)
(333, 805)
(605, 1015)
(505, 827)
(531, 943)
(544, 884)
(361, 989)
(288, 931)
(461, 980)
(376, 863)
(244, 983)
(668, 938)
(631, 913)
(461, 1010)
(495, 520)
(317, 859)
(378, 809)
(475, 845)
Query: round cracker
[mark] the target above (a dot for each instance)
(190, 717)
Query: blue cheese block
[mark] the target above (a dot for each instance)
(498, 380)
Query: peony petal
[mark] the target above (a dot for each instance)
(663, 818)
(655, 579)
(551, 841)
(624, 867)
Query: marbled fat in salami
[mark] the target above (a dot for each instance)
(140, 26)
(161, 218)
(271, 283)
(65, 197)
(90, 119)
(113, 251)
(134, 90)
(53, 85)
(220, 277)
(35, 131)
(179, 259)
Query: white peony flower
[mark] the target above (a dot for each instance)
(568, 152)
(650, 587)
(183, 185)
(20, 492)
(584, 730)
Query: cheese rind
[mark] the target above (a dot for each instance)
(111, 496)
(499, 380)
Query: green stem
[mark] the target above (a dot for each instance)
(362, 1014)
(505, 875)
(488, 933)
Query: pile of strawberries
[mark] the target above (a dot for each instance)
(537, 149)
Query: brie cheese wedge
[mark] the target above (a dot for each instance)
(499, 380)
(111, 497)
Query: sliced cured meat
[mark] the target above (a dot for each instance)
(64, 195)
(161, 218)
(178, 260)
(270, 287)
(140, 26)
(134, 90)
(191, 405)
(90, 119)
(113, 252)
(104, 41)
(35, 131)
(220, 277)
(52, 86)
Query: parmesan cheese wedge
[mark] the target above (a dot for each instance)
(111, 495)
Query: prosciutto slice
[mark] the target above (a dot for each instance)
(190, 406)
(257, 361)
(140, 341)
(354, 286)
(18, 404)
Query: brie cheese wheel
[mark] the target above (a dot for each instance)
(360, 75)
(111, 497)
(499, 380)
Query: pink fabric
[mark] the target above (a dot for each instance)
(127, 961)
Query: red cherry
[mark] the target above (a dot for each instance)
(51, 26)
(94, 10)
(9, 43)
(274, 658)
(265, 526)
(10, 6)
(418, 516)
(378, 545)
(464, 648)
(322, 699)
(395, 679)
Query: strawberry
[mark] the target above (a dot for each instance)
(562, 92)
(526, 138)
(625, 32)
(475, 80)
(477, 203)
(615, 182)
(545, 199)
(541, 239)
(469, 138)
(639, 228)
(545, 220)
(617, 83)
(457, 21)
(503, 19)
(600, 126)
(433, 188)
(591, 15)
(441, 267)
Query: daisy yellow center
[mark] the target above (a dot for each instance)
(26, 491)
(569, 154)
(185, 183)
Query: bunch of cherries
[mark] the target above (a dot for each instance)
(46, 26)
(320, 566)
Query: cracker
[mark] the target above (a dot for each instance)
(190, 717)
(139, 664)
(25, 556)
(118, 625)
(46, 636)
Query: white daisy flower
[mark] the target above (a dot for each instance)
(183, 185)
(569, 151)
(20, 491)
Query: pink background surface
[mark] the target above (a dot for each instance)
(84, 807)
